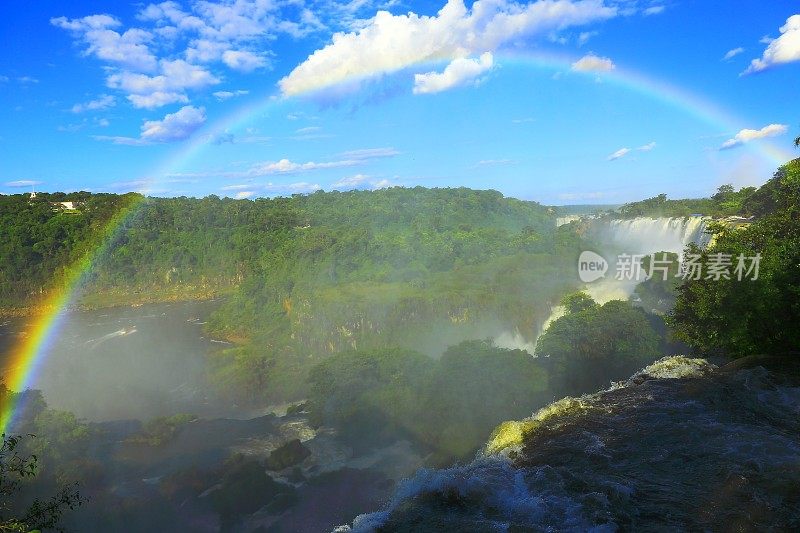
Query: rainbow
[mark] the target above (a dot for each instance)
(31, 353)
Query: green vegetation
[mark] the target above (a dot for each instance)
(307, 276)
(747, 317)
(594, 344)
(290, 454)
(159, 431)
(447, 406)
(15, 471)
(658, 293)
(727, 201)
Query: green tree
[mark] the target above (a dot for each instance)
(589, 347)
(750, 316)
(15, 469)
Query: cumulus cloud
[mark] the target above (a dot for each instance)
(388, 43)
(622, 152)
(784, 49)
(167, 87)
(173, 127)
(292, 188)
(227, 95)
(103, 102)
(593, 63)
(351, 182)
(156, 63)
(129, 48)
(242, 60)
(746, 135)
(286, 166)
(361, 181)
(732, 53)
(458, 72)
(244, 194)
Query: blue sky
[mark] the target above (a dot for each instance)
(559, 101)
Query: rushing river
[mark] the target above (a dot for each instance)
(126, 362)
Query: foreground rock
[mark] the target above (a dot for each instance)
(682, 445)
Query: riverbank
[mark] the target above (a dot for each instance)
(107, 299)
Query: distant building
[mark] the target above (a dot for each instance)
(65, 205)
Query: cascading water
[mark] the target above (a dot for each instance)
(644, 235)
(641, 236)
(636, 236)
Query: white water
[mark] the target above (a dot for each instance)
(644, 235)
(641, 236)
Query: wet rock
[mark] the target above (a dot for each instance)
(290, 454)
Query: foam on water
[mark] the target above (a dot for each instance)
(680, 445)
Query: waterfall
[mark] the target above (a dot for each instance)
(644, 235)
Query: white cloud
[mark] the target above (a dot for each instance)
(622, 152)
(654, 10)
(293, 188)
(351, 182)
(238, 187)
(584, 37)
(226, 95)
(458, 72)
(244, 194)
(129, 49)
(784, 49)
(382, 184)
(746, 135)
(286, 166)
(242, 60)
(157, 62)
(167, 87)
(27, 79)
(103, 102)
(157, 99)
(732, 53)
(593, 63)
(388, 43)
(361, 181)
(173, 127)
(22, 183)
(647, 147)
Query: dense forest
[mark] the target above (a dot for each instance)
(379, 312)
(727, 201)
(307, 275)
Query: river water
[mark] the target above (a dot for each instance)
(126, 362)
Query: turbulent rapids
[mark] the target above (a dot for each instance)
(680, 445)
